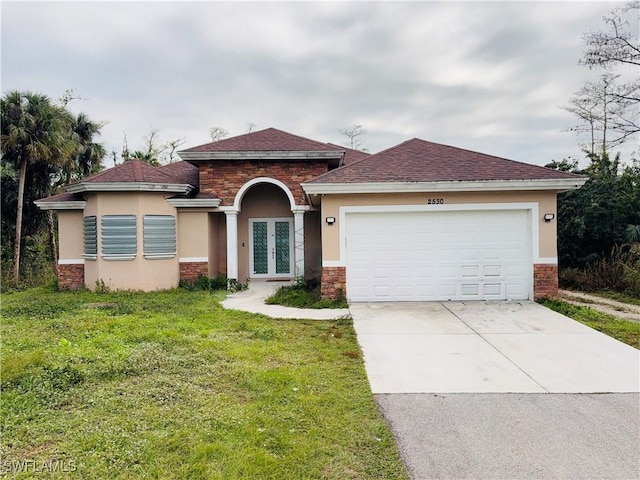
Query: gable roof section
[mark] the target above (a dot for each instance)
(418, 165)
(133, 175)
(268, 143)
(62, 201)
(350, 155)
(183, 171)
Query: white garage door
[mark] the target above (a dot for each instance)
(448, 255)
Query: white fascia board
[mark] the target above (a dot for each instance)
(68, 205)
(129, 187)
(461, 186)
(260, 155)
(194, 202)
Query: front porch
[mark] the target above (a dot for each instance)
(263, 235)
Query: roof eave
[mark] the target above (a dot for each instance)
(261, 155)
(62, 205)
(194, 202)
(556, 184)
(129, 187)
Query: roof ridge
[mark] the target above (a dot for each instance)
(246, 137)
(357, 162)
(137, 168)
(417, 160)
(485, 154)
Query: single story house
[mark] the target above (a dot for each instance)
(418, 221)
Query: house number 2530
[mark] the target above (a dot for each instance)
(435, 201)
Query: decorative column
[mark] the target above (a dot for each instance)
(232, 244)
(298, 241)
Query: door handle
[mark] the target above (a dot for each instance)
(273, 253)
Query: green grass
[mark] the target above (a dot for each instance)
(306, 295)
(170, 385)
(623, 330)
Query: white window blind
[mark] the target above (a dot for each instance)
(90, 228)
(119, 241)
(159, 236)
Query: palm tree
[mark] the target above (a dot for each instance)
(147, 157)
(88, 156)
(34, 130)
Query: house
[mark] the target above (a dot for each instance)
(418, 221)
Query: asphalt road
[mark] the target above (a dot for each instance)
(516, 436)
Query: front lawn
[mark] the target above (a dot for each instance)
(170, 385)
(623, 330)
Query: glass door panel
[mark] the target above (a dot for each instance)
(260, 248)
(271, 249)
(283, 247)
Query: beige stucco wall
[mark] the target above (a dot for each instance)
(70, 235)
(330, 207)
(140, 273)
(193, 234)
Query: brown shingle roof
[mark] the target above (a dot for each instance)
(350, 155)
(268, 140)
(62, 197)
(134, 171)
(182, 171)
(421, 161)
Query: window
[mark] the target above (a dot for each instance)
(119, 237)
(90, 228)
(159, 235)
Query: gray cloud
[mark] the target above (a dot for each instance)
(483, 76)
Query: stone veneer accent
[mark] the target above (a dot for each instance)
(190, 271)
(224, 178)
(71, 276)
(333, 282)
(545, 281)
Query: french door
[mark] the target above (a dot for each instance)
(270, 247)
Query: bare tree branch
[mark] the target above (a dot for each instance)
(617, 45)
(218, 133)
(354, 137)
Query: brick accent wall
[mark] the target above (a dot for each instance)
(333, 282)
(190, 271)
(225, 177)
(71, 276)
(545, 281)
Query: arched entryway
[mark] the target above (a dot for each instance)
(265, 232)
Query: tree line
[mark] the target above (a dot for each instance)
(599, 224)
(44, 147)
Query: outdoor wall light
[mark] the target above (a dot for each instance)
(549, 216)
(330, 220)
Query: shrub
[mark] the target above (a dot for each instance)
(618, 272)
(204, 283)
(305, 294)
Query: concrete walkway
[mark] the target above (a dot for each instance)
(252, 300)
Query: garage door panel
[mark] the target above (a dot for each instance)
(438, 255)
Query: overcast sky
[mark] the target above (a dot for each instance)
(488, 77)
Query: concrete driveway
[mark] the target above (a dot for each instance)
(488, 347)
(502, 390)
